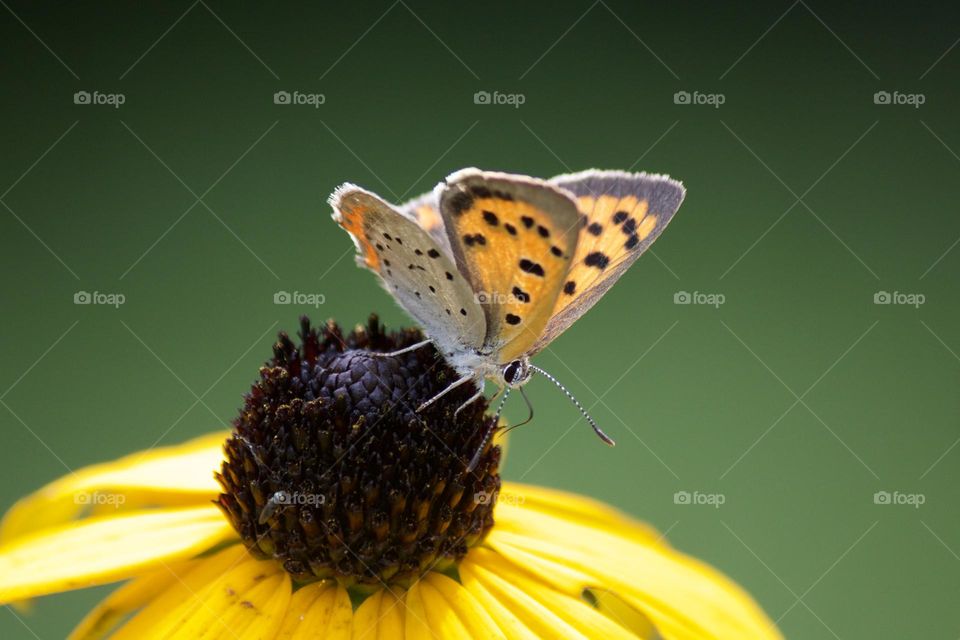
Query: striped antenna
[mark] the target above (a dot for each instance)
(486, 438)
(579, 406)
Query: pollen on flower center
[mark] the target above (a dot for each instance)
(332, 471)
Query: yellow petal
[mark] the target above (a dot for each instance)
(102, 550)
(682, 597)
(417, 626)
(443, 594)
(533, 596)
(165, 476)
(614, 607)
(249, 600)
(186, 584)
(511, 625)
(318, 610)
(517, 499)
(128, 598)
(537, 618)
(380, 617)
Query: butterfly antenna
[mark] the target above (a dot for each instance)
(486, 438)
(579, 406)
(529, 415)
(529, 408)
(503, 401)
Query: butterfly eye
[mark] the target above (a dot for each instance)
(517, 372)
(511, 372)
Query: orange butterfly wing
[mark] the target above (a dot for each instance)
(621, 215)
(514, 238)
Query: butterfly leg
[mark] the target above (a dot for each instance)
(391, 354)
(473, 398)
(453, 385)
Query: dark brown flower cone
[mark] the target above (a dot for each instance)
(332, 471)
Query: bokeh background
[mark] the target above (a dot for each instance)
(784, 391)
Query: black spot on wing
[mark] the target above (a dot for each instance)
(527, 221)
(595, 228)
(474, 239)
(512, 230)
(521, 295)
(543, 231)
(512, 319)
(620, 216)
(632, 241)
(433, 253)
(629, 227)
(557, 251)
(570, 287)
(449, 275)
(491, 218)
(597, 259)
(460, 202)
(528, 266)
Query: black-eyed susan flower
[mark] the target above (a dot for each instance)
(334, 510)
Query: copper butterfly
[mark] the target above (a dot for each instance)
(494, 266)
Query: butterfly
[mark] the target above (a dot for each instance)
(494, 266)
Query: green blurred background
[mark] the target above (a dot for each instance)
(796, 400)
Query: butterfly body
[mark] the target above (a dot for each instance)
(494, 266)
